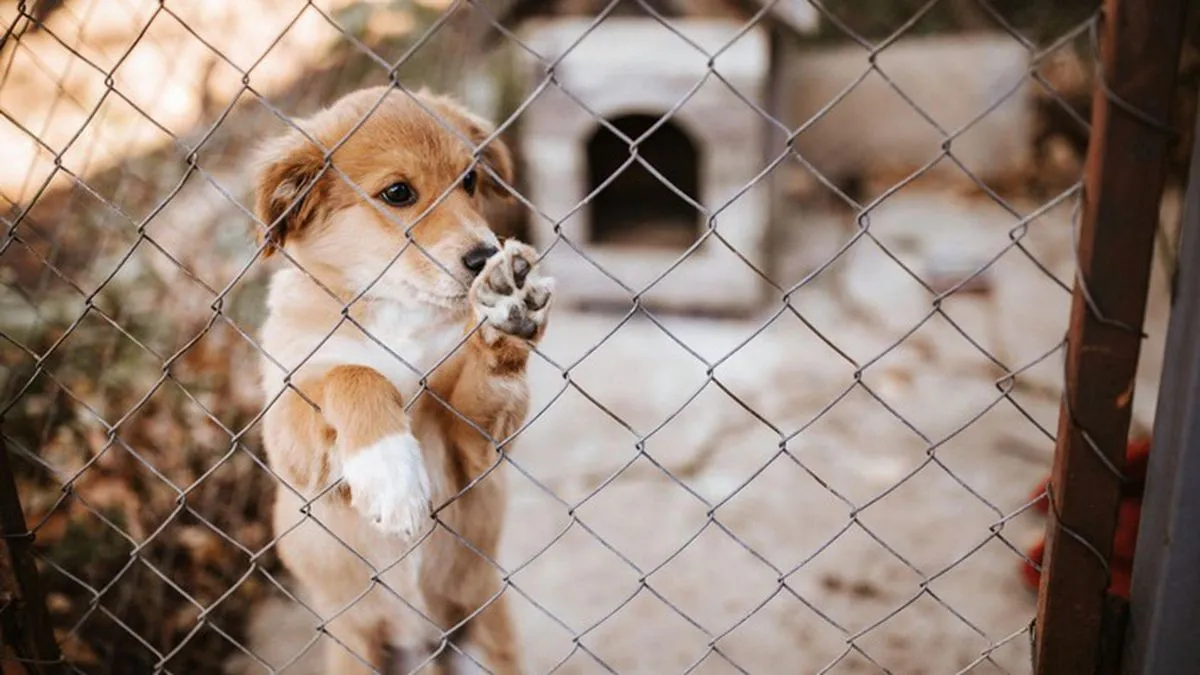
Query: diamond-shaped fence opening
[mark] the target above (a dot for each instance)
(802, 380)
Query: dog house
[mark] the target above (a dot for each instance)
(643, 161)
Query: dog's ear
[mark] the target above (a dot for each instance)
(494, 152)
(497, 156)
(288, 187)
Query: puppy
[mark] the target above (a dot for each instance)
(395, 350)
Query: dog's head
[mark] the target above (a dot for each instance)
(392, 176)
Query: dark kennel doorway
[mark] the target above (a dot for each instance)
(636, 208)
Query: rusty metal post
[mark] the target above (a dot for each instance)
(27, 636)
(1140, 42)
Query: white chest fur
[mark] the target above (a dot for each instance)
(402, 340)
(420, 336)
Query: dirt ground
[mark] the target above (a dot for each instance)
(803, 509)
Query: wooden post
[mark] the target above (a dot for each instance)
(1140, 43)
(28, 638)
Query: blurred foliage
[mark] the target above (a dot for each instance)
(424, 43)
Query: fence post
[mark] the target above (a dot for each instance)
(1165, 597)
(27, 636)
(1140, 42)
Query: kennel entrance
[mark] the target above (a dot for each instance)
(628, 239)
(637, 207)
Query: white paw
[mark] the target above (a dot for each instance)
(389, 484)
(510, 296)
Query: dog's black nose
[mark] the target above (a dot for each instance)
(477, 257)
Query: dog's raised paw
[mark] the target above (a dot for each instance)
(510, 296)
(389, 485)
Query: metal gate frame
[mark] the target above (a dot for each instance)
(1165, 602)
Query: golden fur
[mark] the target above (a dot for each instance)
(379, 383)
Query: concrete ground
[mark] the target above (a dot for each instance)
(825, 499)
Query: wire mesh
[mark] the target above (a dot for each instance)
(840, 481)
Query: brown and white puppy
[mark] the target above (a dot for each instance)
(395, 349)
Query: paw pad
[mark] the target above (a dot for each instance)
(510, 296)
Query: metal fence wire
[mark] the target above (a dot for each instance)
(839, 479)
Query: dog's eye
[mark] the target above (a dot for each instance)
(399, 194)
(469, 182)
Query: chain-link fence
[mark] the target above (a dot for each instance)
(802, 377)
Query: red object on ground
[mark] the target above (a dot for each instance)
(1124, 540)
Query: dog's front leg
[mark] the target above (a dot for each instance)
(510, 301)
(381, 460)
